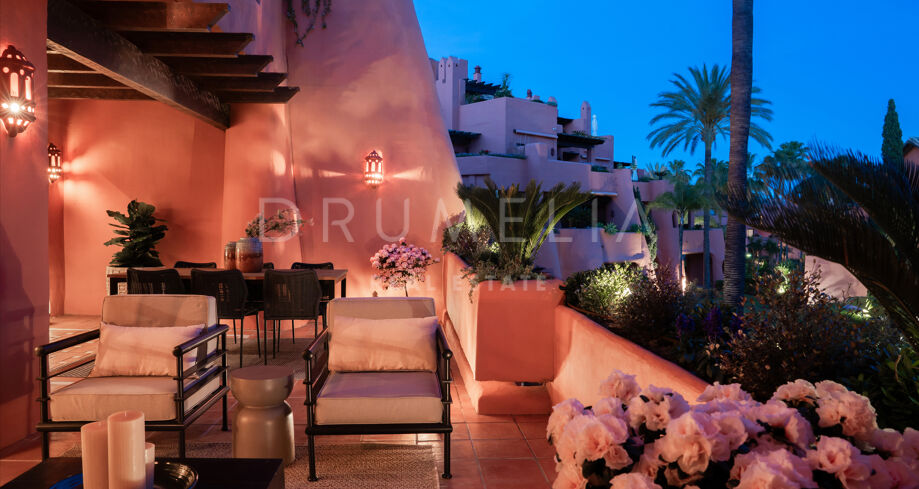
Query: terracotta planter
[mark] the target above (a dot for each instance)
(506, 331)
(249, 256)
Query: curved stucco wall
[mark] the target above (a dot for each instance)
(366, 84)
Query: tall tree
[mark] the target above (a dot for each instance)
(697, 110)
(735, 235)
(892, 146)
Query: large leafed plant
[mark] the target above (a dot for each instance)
(520, 219)
(137, 235)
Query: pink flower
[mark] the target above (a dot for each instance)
(562, 413)
(772, 469)
(828, 388)
(797, 391)
(633, 481)
(608, 405)
(566, 447)
(621, 385)
(593, 441)
(650, 462)
(853, 411)
(902, 475)
(718, 391)
(733, 431)
(832, 455)
(662, 406)
(858, 474)
(688, 442)
(569, 477)
(796, 429)
(910, 444)
(888, 440)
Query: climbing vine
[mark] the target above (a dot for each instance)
(313, 10)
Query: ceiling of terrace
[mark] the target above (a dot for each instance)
(160, 50)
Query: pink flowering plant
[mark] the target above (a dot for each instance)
(400, 264)
(806, 436)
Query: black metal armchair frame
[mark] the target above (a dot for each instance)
(317, 371)
(206, 368)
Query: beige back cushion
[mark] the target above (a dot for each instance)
(381, 308)
(152, 310)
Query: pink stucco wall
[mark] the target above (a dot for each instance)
(834, 278)
(366, 84)
(586, 353)
(116, 151)
(23, 232)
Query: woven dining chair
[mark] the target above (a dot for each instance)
(328, 288)
(290, 295)
(229, 288)
(155, 282)
(191, 264)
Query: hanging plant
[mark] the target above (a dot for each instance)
(313, 10)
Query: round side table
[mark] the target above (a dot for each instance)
(264, 423)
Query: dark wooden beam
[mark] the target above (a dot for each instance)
(244, 65)
(208, 44)
(141, 15)
(264, 82)
(280, 95)
(58, 63)
(76, 34)
(81, 80)
(95, 93)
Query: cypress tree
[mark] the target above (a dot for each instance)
(892, 146)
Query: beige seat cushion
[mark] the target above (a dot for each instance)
(379, 398)
(95, 398)
(159, 310)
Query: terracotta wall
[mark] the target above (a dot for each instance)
(23, 232)
(586, 353)
(116, 151)
(366, 84)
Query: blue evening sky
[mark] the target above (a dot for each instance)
(828, 66)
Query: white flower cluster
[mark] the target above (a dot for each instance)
(806, 436)
(401, 264)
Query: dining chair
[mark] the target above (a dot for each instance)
(155, 281)
(191, 264)
(290, 295)
(328, 288)
(268, 266)
(229, 288)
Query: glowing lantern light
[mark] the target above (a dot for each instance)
(373, 169)
(55, 169)
(17, 101)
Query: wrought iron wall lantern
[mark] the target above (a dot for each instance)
(17, 99)
(373, 169)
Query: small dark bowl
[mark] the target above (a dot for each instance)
(166, 475)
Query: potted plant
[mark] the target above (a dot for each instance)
(401, 264)
(505, 321)
(249, 254)
(137, 234)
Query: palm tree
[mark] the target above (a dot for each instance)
(683, 199)
(698, 111)
(743, 107)
(520, 220)
(656, 170)
(676, 171)
(857, 211)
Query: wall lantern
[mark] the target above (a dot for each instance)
(373, 169)
(17, 102)
(55, 168)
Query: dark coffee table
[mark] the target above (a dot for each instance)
(213, 473)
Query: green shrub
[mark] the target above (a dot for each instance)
(610, 228)
(648, 315)
(467, 241)
(892, 384)
(600, 291)
(793, 330)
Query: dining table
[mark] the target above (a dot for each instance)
(338, 277)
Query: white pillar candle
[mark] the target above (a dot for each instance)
(149, 458)
(127, 469)
(94, 445)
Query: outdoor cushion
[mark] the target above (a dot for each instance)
(95, 398)
(159, 310)
(142, 351)
(369, 345)
(381, 307)
(379, 398)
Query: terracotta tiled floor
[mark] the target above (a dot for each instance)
(488, 452)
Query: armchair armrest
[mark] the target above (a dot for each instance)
(317, 367)
(55, 346)
(443, 349)
(212, 333)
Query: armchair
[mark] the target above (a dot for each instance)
(377, 402)
(169, 403)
